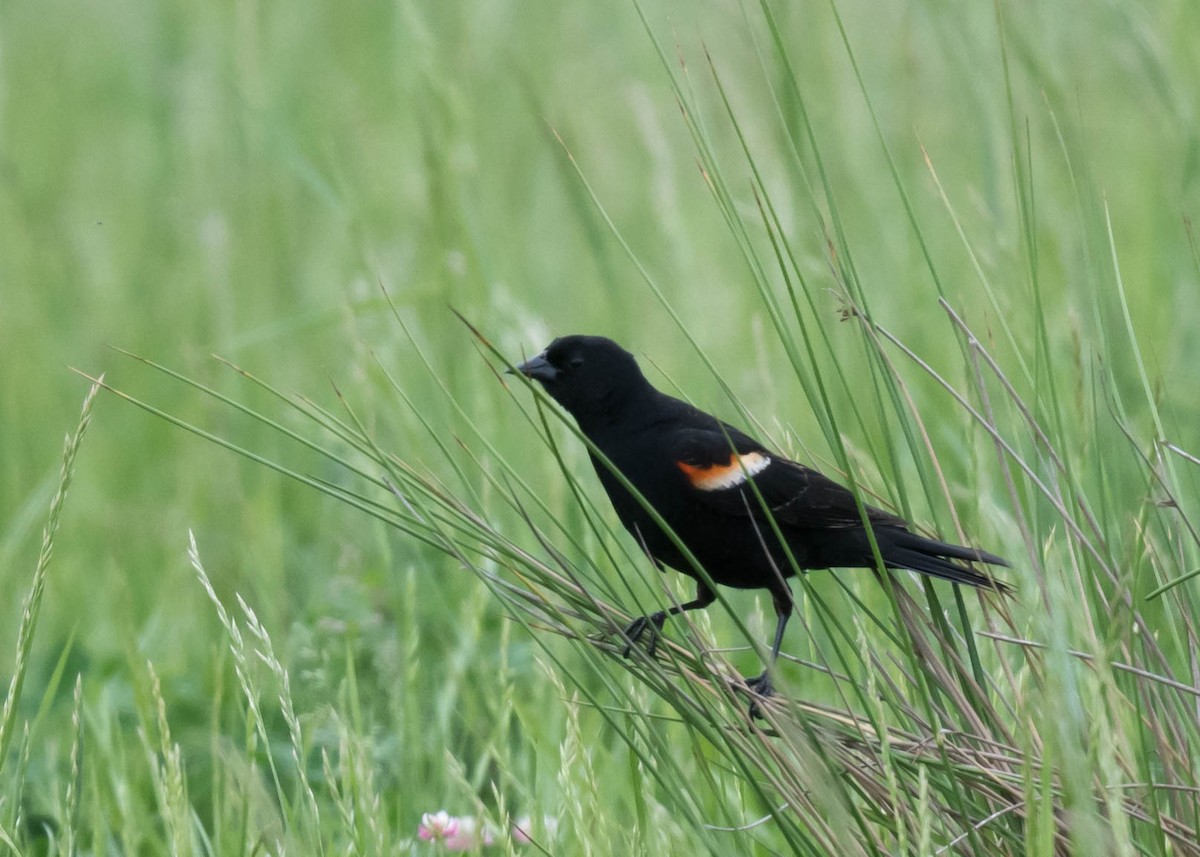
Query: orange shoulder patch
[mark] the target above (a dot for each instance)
(714, 477)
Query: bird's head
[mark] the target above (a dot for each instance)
(592, 377)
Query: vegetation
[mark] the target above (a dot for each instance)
(943, 250)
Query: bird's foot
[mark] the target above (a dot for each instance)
(639, 626)
(765, 690)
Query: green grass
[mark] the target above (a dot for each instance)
(943, 250)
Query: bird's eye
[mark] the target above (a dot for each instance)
(576, 362)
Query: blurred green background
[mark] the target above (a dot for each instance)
(241, 178)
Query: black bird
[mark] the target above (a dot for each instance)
(695, 470)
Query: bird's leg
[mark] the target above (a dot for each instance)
(704, 597)
(783, 611)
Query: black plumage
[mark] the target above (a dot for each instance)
(710, 482)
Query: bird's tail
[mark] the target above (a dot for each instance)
(908, 550)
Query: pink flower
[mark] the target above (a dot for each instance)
(456, 833)
(461, 833)
(437, 826)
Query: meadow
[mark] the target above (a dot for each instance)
(311, 569)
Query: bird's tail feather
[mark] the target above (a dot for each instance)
(935, 566)
(933, 558)
(920, 544)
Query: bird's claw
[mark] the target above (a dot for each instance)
(633, 632)
(761, 686)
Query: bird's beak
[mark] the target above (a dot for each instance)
(538, 368)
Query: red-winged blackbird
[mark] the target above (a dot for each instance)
(695, 470)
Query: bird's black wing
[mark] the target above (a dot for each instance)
(718, 463)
